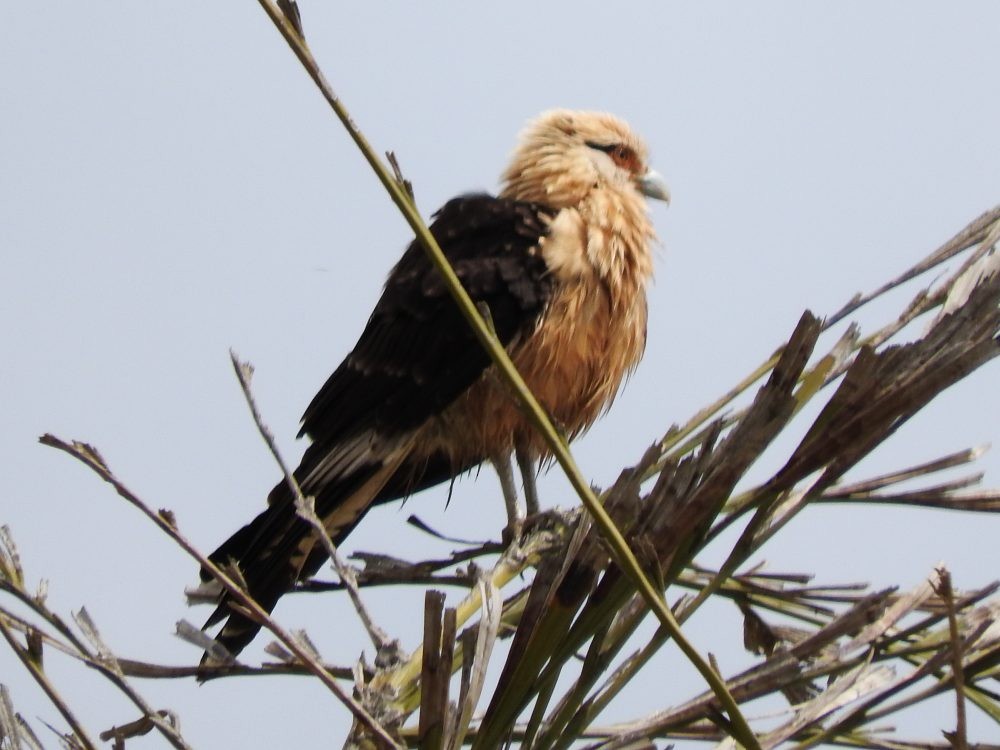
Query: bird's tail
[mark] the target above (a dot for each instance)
(278, 548)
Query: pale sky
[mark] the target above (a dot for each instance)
(172, 185)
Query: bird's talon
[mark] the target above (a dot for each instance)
(513, 532)
(545, 519)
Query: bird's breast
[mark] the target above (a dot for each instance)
(580, 353)
(590, 336)
(574, 361)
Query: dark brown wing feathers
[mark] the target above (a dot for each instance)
(415, 357)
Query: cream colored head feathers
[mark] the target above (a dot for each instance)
(563, 156)
(592, 170)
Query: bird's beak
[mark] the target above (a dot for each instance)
(652, 185)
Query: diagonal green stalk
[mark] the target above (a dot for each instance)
(617, 544)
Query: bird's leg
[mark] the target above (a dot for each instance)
(528, 472)
(515, 521)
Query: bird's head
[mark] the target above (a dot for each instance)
(564, 156)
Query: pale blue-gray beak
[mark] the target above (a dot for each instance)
(652, 185)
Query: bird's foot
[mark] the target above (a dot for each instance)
(550, 519)
(513, 532)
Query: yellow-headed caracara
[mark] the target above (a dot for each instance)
(560, 260)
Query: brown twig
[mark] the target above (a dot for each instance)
(91, 458)
(150, 671)
(960, 738)
(103, 662)
(971, 235)
(384, 570)
(435, 672)
(35, 670)
(305, 507)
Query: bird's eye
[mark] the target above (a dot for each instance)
(620, 154)
(605, 147)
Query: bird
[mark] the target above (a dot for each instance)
(559, 261)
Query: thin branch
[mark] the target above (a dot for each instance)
(35, 670)
(971, 235)
(960, 738)
(305, 508)
(102, 662)
(91, 458)
(159, 719)
(150, 671)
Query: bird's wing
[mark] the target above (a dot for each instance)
(417, 354)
